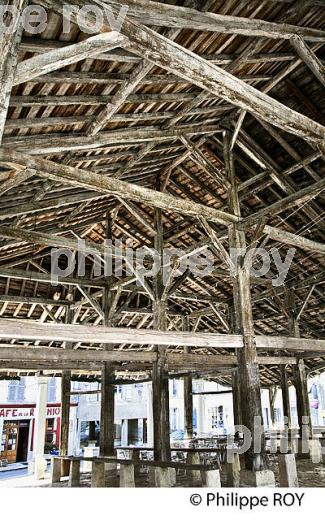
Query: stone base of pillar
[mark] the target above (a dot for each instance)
(322, 444)
(211, 478)
(55, 471)
(162, 477)
(315, 449)
(89, 451)
(193, 458)
(233, 471)
(288, 470)
(40, 466)
(127, 475)
(301, 448)
(110, 473)
(98, 474)
(74, 475)
(263, 478)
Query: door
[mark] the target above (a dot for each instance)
(9, 441)
(22, 446)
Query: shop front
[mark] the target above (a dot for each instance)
(17, 431)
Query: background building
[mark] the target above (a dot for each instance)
(212, 413)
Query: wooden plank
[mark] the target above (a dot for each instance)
(56, 59)
(174, 58)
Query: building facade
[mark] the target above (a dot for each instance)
(212, 413)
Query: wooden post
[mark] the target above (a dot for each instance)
(272, 396)
(160, 388)
(285, 395)
(236, 399)
(107, 429)
(65, 407)
(303, 409)
(299, 372)
(248, 370)
(188, 396)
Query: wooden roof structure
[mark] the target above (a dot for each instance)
(89, 122)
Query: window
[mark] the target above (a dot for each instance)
(277, 415)
(174, 391)
(174, 419)
(51, 390)
(16, 390)
(217, 417)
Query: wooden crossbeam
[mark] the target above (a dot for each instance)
(58, 143)
(106, 185)
(78, 177)
(153, 13)
(174, 58)
(119, 98)
(27, 329)
(35, 276)
(309, 57)
(31, 358)
(56, 59)
(294, 240)
(23, 329)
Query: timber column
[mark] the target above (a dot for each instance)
(285, 395)
(188, 392)
(160, 382)
(107, 429)
(65, 405)
(299, 372)
(248, 370)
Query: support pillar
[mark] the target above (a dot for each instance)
(160, 382)
(65, 405)
(107, 408)
(39, 431)
(248, 369)
(272, 397)
(160, 392)
(303, 410)
(188, 394)
(299, 372)
(285, 396)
